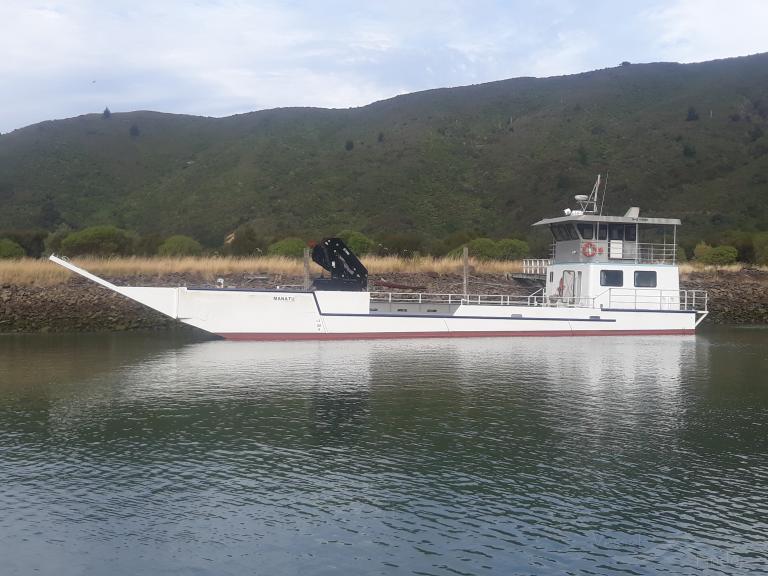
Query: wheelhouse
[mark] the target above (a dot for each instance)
(612, 261)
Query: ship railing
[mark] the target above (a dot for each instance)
(536, 266)
(614, 298)
(450, 299)
(649, 253)
(651, 299)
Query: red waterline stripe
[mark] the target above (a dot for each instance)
(466, 334)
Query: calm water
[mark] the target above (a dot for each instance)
(156, 454)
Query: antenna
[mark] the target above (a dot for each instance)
(605, 189)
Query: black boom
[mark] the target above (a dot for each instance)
(347, 272)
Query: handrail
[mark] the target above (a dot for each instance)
(616, 298)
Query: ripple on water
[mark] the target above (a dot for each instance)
(635, 455)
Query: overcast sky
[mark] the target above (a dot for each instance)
(220, 57)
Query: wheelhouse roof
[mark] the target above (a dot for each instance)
(609, 219)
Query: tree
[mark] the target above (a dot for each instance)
(10, 249)
(247, 242)
(760, 245)
(483, 249)
(512, 249)
(358, 242)
(98, 241)
(180, 245)
(692, 115)
(716, 255)
(106, 114)
(288, 248)
(406, 245)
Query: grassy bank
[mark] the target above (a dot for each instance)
(42, 272)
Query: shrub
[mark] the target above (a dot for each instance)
(98, 241)
(405, 245)
(288, 247)
(180, 245)
(483, 249)
(720, 255)
(681, 255)
(358, 242)
(247, 242)
(512, 249)
(31, 240)
(148, 245)
(760, 244)
(10, 249)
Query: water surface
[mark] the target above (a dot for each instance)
(157, 454)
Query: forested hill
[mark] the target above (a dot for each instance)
(678, 140)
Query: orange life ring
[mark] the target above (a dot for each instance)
(588, 249)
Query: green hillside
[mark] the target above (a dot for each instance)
(677, 140)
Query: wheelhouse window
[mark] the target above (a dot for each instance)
(559, 232)
(611, 278)
(645, 279)
(616, 231)
(602, 233)
(630, 233)
(587, 231)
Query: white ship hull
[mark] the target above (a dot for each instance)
(322, 315)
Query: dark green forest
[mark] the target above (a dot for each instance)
(687, 141)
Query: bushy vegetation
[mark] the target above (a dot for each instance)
(288, 247)
(483, 160)
(358, 242)
(180, 245)
(10, 249)
(488, 249)
(716, 255)
(98, 241)
(246, 241)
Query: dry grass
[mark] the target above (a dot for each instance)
(44, 273)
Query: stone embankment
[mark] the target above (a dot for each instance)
(78, 305)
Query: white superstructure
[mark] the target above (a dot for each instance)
(609, 275)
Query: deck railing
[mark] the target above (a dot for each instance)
(536, 266)
(613, 298)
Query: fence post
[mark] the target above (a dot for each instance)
(307, 283)
(465, 259)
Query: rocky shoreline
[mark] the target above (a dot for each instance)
(78, 305)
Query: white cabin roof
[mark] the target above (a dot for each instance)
(609, 219)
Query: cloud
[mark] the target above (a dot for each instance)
(699, 30)
(220, 57)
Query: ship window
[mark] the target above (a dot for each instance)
(616, 231)
(572, 232)
(645, 279)
(611, 278)
(602, 233)
(559, 233)
(431, 310)
(551, 277)
(587, 231)
(630, 232)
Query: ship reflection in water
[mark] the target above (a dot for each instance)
(522, 455)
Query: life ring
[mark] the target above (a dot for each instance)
(588, 249)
